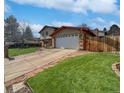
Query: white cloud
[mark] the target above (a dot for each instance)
(34, 27)
(6, 8)
(101, 23)
(98, 20)
(103, 6)
(59, 23)
(113, 22)
(79, 6)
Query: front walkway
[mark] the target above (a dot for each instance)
(26, 63)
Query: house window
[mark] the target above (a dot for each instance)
(76, 34)
(72, 34)
(43, 34)
(46, 33)
(63, 35)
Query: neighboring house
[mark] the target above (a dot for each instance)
(45, 33)
(37, 40)
(71, 37)
(99, 33)
(113, 31)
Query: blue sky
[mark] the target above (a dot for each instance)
(37, 13)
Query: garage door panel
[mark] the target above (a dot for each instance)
(68, 42)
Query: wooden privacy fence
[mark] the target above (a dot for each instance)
(107, 43)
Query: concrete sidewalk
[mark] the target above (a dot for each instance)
(27, 63)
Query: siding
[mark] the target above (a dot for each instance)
(49, 30)
(67, 32)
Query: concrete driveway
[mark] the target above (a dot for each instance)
(26, 63)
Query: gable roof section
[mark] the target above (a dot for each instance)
(98, 32)
(87, 30)
(48, 27)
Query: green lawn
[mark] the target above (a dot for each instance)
(90, 73)
(21, 51)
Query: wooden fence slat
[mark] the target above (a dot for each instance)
(108, 43)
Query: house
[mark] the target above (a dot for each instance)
(65, 37)
(70, 37)
(37, 40)
(98, 33)
(46, 39)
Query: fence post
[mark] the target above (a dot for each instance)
(84, 41)
(117, 44)
(6, 52)
(89, 42)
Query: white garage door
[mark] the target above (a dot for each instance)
(68, 42)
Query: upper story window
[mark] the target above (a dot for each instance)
(42, 33)
(46, 33)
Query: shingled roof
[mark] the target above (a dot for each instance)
(48, 27)
(87, 30)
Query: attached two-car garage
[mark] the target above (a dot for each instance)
(67, 42)
(67, 37)
(70, 37)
